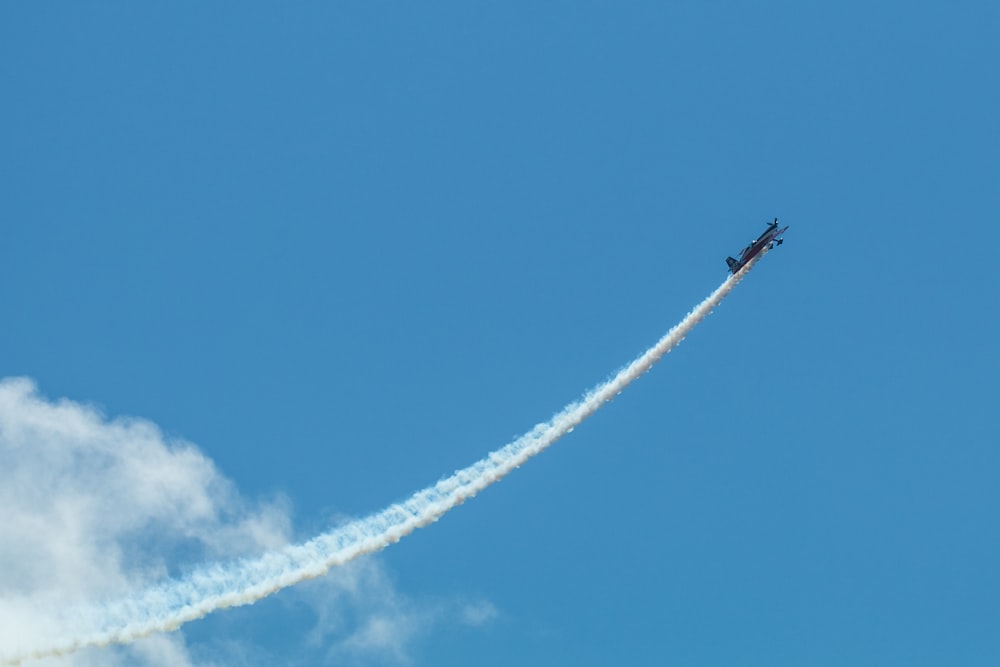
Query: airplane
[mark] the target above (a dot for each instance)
(770, 238)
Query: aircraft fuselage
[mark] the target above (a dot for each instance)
(771, 235)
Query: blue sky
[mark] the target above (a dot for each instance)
(346, 248)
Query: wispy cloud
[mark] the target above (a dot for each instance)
(363, 618)
(477, 614)
(95, 508)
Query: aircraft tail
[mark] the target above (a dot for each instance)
(733, 264)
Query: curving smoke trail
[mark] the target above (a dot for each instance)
(171, 604)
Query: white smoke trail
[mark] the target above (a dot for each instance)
(169, 605)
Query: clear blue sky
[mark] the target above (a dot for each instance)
(347, 247)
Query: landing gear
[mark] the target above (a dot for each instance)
(780, 241)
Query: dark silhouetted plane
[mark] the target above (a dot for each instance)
(768, 239)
